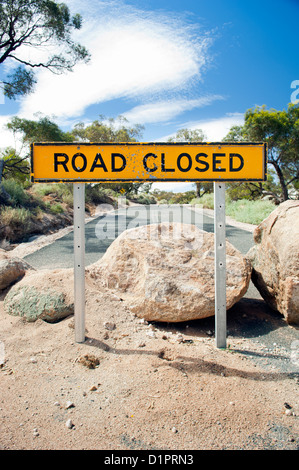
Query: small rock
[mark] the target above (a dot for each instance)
(90, 361)
(151, 334)
(33, 360)
(109, 325)
(174, 430)
(115, 297)
(69, 424)
(93, 388)
(12, 269)
(69, 404)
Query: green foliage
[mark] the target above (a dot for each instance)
(169, 197)
(34, 24)
(57, 190)
(206, 201)
(18, 195)
(96, 194)
(253, 190)
(19, 83)
(188, 135)
(182, 198)
(56, 208)
(242, 210)
(251, 212)
(143, 198)
(43, 130)
(107, 130)
(280, 129)
(15, 218)
(163, 195)
(14, 166)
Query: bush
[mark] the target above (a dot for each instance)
(206, 201)
(142, 198)
(98, 195)
(56, 209)
(251, 212)
(182, 198)
(58, 190)
(15, 223)
(43, 189)
(243, 210)
(17, 193)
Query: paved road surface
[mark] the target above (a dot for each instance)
(101, 232)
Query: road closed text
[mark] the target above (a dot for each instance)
(148, 162)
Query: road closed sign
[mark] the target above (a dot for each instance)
(135, 161)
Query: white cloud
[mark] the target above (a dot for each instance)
(166, 110)
(214, 129)
(7, 137)
(133, 53)
(217, 129)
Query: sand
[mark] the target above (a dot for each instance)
(139, 386)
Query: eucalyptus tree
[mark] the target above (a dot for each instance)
(36, 34)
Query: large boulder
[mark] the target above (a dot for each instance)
(275, 260)
(11, 269)
(47, 295)
(166, 272)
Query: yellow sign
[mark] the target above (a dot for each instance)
(135, 161)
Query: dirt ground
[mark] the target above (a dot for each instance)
(134, 385)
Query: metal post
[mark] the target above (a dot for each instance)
(220, 265)
(79, 261)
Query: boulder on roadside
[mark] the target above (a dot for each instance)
(166, 272)
(11, 269)
(47, 295)
(275, 260)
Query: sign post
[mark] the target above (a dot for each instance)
(79, 261)
(79, 163)
(220, 265)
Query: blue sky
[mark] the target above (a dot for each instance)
(172, 64)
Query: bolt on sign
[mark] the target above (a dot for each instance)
(96, 162)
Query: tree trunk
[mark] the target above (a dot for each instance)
(283, 185)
